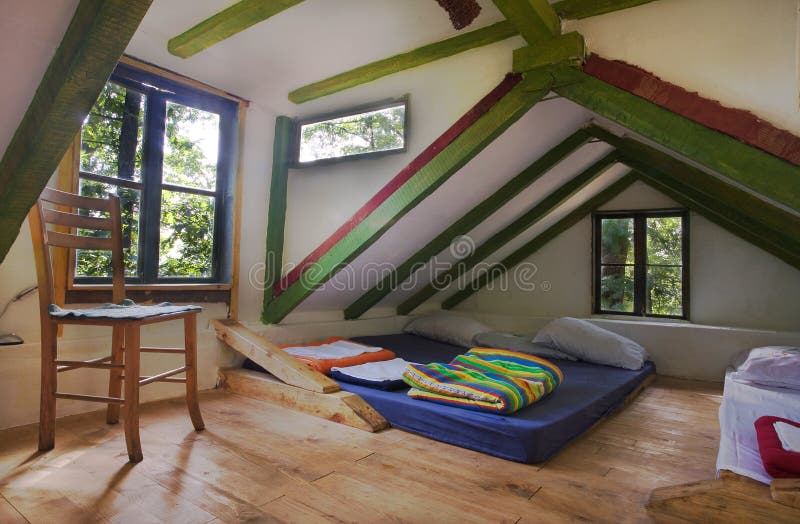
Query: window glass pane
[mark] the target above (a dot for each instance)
(616, 241)
(664, 290)
(664, 240)
(91, 263)
(373, 131)
(111, 141)
(616, 288)
(190, 147)
(186, 245)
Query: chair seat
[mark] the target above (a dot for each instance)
(125, 310)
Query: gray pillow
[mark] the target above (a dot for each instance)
(591, 343)
(496, 339)
(446, 327)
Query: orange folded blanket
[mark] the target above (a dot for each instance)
(324, 365)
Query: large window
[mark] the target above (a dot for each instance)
(641, 263)
(366, 131)
(168, 151)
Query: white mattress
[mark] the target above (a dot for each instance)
(742, 404)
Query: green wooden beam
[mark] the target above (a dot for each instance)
(763, 173)
(535, 20)
(420, 56)
(577, 9)
(521, 254)
(508, 233)
(95, 39)
(466, 223)
(225, 24)
(767, 220)
(276, 215)
(452, 158)
(569, 47)
(727, 217)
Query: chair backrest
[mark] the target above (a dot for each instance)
(59, 208)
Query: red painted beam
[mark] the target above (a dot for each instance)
(737, 123)
(463, 123)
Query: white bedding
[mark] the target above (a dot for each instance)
(742, 404)
(334, 350)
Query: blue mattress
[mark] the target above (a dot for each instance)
(534, 434)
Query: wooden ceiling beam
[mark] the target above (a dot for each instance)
(568, 48)
(577, 9)
(420, 56)
(225, 24)
(535, 20)
(762, 172)
(521, 254)
(466, 223)
(508, 233)
(93, 43)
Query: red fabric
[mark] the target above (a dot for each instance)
(778, 462)
(463, 123)
(324, 365)
(737, 123)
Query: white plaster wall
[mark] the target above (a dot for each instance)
(741, 52)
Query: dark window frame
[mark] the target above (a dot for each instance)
(298, 124)
(159, 91)
(640, 260)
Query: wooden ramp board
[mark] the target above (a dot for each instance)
(341, 406)
(270, 357)
(730, 498)
(786, 491)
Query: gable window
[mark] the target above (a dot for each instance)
(168, 151)
(641, 263)
(367, 131)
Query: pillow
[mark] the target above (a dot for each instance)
(495, 339)
(449, 328)
(775, 366)
(588, 342)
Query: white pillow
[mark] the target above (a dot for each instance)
(775, 366)
(495, 339)
(588, 342)
(445, 327)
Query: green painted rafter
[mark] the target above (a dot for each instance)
(95, 39)
(423, 55)
(225, 24)
(535, 20)
(569, 47)
(577, 9)
(508, 233)
(276, 221)
(447, 162)
(763, 173)
(521, 254)
(462, 226)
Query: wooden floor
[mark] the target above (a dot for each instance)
(257, 462)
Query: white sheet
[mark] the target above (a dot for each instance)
(742, 404)
(377, 371)
(338, 349)
(789, 435)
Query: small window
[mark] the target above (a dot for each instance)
(641, 263)
(367, 131)
(167, 150)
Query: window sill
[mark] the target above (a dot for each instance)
(101, 293)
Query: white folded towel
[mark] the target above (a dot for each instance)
(338, 349)
(376, 371)
(789, 435)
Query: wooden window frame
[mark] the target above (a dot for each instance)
(352, 111)
(640, 260)
(224, 288)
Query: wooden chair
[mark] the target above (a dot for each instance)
(57, 208)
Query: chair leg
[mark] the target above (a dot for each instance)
(190, 342)
(132, 332)
(47, 399)
(115, 375)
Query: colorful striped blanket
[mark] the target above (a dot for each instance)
(485, 379)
